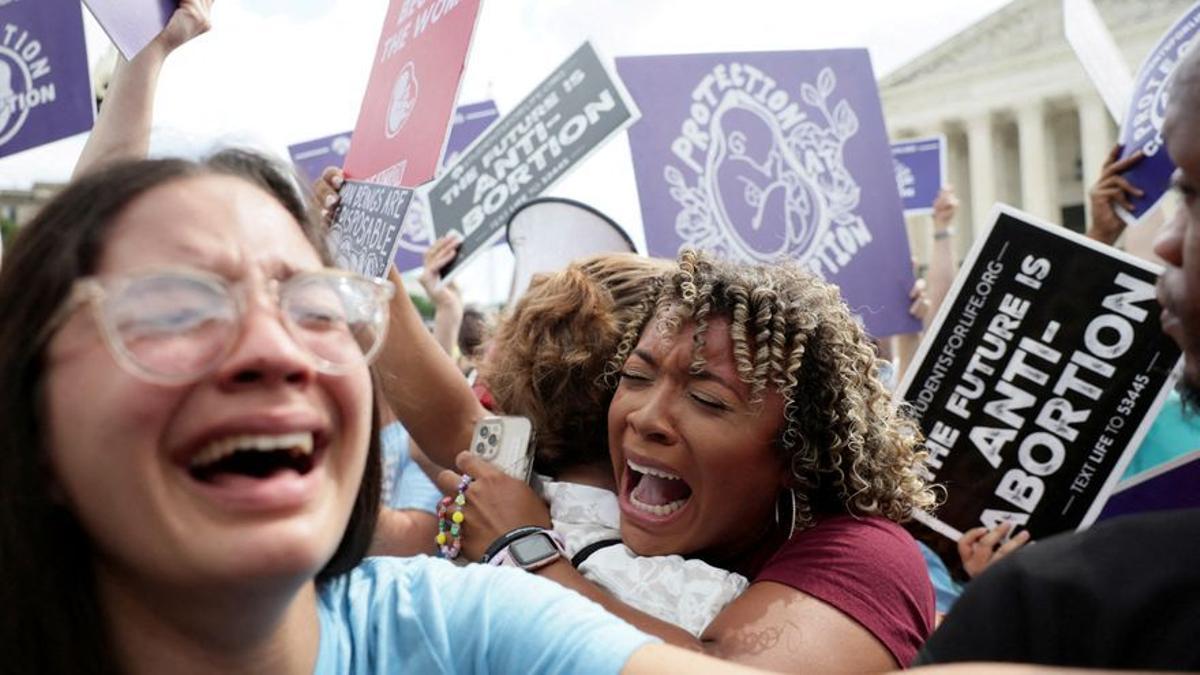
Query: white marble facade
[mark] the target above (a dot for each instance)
(1024, 124)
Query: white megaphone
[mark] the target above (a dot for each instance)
(547, 233)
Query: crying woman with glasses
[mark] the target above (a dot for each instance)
(190, 461)
(189, 450)
(190, 454)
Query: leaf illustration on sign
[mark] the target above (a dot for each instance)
(845, 122)
(809, 94)
(826, 82)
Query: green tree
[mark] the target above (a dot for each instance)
(8, 229)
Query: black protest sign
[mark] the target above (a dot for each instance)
(1038, 379)
(571, 113)
(366, 227)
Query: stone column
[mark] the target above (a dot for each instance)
(959, 175)
(982, 163)
(1096, 139)
(1034, 148)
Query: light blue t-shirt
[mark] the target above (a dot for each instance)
(945, 589)
(405, 485)
(1174, 432)
(424, 615)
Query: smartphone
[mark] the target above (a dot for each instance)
(506, 441)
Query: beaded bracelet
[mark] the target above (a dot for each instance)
(450, 520)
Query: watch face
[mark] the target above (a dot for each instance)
(532, 549)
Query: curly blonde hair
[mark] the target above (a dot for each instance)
(850, 449)
(550, 353)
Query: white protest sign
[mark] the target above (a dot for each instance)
(1098, 53)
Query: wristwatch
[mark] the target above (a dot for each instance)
(531, 551)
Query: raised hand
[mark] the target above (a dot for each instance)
(1110, 190)
(193, 18)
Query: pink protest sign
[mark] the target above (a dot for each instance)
(410, 97)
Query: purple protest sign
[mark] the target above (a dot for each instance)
(1170, 486)
(132, 24)
(766, 156)
(920, 165)
(1142, 128)
(470, 121)
(313, 157)
(45, 88)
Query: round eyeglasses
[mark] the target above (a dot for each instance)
(173, 327)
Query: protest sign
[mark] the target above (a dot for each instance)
(1143, 125)
(45, 87)
(1173, 485)
(1038, 379)
(313, 157)
(1099, 55)
(470, 121)
(768, 156)
(920, 165)
(132, 24)
(366, 227)
(406, 110)
(570, 114)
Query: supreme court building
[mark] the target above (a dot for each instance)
(1023, 122)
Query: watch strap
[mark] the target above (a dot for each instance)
(504, 557)
(505, 539)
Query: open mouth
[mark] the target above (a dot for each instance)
(257, 456)
(655, 491)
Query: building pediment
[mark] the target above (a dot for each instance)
(1023, 27)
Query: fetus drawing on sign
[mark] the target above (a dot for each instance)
(770, 188)
(758, 185)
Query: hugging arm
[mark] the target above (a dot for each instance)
(771, 625)
(777, 627)
(122, 130)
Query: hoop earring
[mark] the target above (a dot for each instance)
(792, 520)
(792, 525)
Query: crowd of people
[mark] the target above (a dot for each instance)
(223, 454)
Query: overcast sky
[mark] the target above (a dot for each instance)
(276, 72)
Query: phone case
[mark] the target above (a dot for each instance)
(507, 443)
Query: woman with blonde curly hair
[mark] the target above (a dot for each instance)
(747, 430)
(551, 362)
